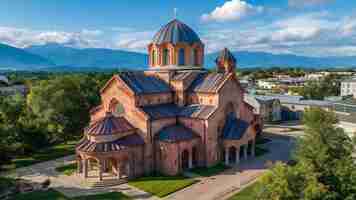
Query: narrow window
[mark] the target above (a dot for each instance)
(181, 57)
(195, 57)
(153, 57)
(165, 57)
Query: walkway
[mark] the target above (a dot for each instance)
(227, 183)
(210, 188)
(71, 186)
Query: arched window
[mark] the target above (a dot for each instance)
(153, 57)
(195, 57)
(116, 108)
(165, 57)
(181, 57)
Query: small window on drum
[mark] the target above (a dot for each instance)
(119, 110)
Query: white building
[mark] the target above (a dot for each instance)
(348, 87)
(267, 83)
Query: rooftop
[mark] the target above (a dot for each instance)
(176, 32)
(144, 84)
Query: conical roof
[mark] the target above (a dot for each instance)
(109, 125)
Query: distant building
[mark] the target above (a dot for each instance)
(267, 84)
(345, 110)
(348, 87)
(4, 80)
(269, 108)
(14, 89)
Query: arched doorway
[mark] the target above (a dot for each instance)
(195, 156)
(181, 57)
(185, 159)
(242, 151)
(232, 155)
(249, 148)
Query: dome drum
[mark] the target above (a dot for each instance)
(176, 45)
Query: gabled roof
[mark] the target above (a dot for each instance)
(144, 84)
(197, 111)
(208, 82)
(175, 133)
(234, 128)
(109, 125)
(161, 111)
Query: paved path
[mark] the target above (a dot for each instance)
(223, 185)
(210, 188)
(71, 186)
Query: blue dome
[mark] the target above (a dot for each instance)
(175, 32)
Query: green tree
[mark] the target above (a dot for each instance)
(325, 168)
(61, 104)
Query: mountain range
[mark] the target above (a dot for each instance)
(54, 56)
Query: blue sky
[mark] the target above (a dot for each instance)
(303, 27)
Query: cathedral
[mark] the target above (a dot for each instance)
(175, 116)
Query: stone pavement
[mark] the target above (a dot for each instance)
(71, 186)
(224, 185)
(215, 187)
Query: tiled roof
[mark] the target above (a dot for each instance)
(109, 125)
(207, 82)
(225, 55)
(175, 133)
(183, 75)
(172, 110)
(86, 145)
(234, 128)
(197, 111)
(175, 32)
(161, 111)
(144, 84)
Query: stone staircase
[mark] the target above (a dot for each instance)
(106, 183)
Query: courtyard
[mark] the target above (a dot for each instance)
(217, 183)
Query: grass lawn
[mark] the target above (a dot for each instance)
(68, 169)
(209, 171)
(6, 183)
(248, 193)
(54, 195)
(105, 196)
(260, 151)
(162, 186)
(39, 195)
(50, 153)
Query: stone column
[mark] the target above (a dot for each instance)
(79, 166)
(253, 150)
(237, 155)
(118, 170)
(245, 151)
(100, 170)
(226, 156)
(85, 168)
(190, 164)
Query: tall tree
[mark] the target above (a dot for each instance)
(325, 167)
(60, 103)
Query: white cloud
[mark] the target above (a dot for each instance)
(134, 40)
(311, 34)
(232, 10)
(24, 37)
(303, 3)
